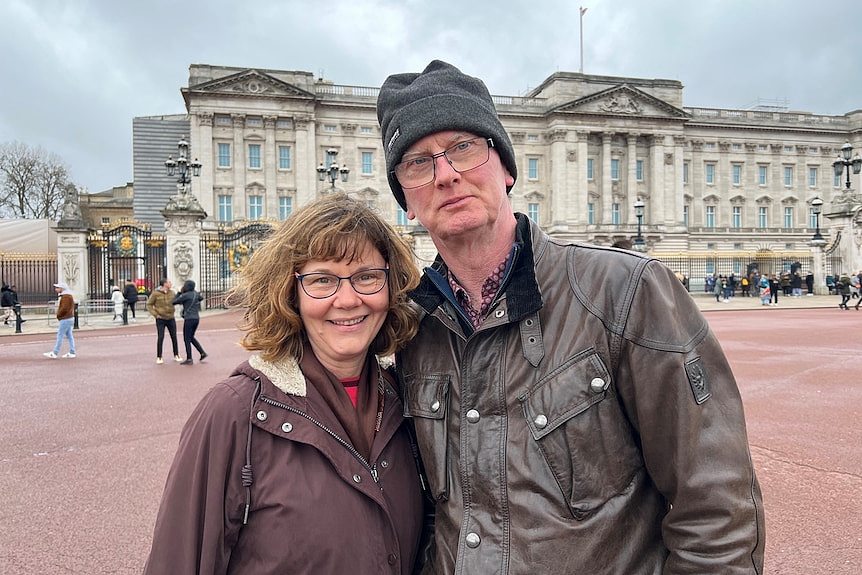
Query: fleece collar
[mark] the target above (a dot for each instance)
(286, 375)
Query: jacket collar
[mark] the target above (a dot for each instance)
(286, 375)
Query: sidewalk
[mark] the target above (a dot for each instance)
(42, 323)
(706, 302)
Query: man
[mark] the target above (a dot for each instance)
(8, 300)
(65, 321)
(160, 305)
(574, 412)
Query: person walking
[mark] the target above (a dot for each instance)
(574, 411)
(130, 293)
(191, 302)
(160, 305)
(66, 321)
(8, 301)
(765, 291)
(118, 300)
(842, 287)
(774, 287)
(809, 283)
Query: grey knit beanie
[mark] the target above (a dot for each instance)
(411, 106)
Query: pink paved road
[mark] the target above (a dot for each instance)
(85, 444)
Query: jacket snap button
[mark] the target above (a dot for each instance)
(384, 464)
(597, 385)
(529, 322)
(435, 406)
(392, 559)
(541, 421)
(499, 313)
(287, 427)
(261, 415)
(473, 540)
(357, 478)
(473, 416)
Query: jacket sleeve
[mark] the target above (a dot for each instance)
(151, 300)
(180, 298)
(683, 401)
(200, 513)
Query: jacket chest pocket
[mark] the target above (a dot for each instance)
(582, 433)
(426, 400)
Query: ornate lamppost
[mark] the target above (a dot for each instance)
(816, 209)
(182, 167)
(639, 243)
(844, 161)
(332, 172)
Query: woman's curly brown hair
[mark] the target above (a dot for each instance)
(332, 228)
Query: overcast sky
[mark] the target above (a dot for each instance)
(74, 73)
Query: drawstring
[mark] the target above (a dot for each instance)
(247, 476)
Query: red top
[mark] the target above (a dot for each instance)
(351, 386)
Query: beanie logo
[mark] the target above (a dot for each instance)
(392, 139)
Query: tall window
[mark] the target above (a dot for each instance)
(615, 214)
(788, 216)
(737, 174)
(284, 157)
(685, 169)
(254, 156)
(533, 211)
(255, 207)
(639, 170)
(285, 207)
(225, 208)
(532, 168)
(737, 217)
(710, 216)
(590, 174)
(685, 215)
(615, 169)
(812, 218)
(812, 177)
(401, 217)
(762, 217)
(330, 157)
(710, 174)
(224, 155)
(788, 176)
(761, 175)
(836, 180)
(367, 163)
(591, 213)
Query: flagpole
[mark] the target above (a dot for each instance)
(581, 9)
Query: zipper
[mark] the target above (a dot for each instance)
(371, 468)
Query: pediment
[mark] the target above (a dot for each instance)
(252, 83)
(623, 100)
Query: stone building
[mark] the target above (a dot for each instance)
(108, 207)
(588, 147)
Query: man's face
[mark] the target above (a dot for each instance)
(455, 203)
(167, 285)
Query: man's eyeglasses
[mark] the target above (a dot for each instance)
(463, 156)
(321, 285)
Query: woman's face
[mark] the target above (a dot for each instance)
(342, 326)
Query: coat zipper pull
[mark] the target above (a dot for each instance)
(374, 472)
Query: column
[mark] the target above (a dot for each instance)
(182, 238)
(698, 185)
(202, 149)
(632, 178)
(306, 160)
(559, 190)
(582, 196)
(652, 213)
(607, 190)
(73, 261)
(238, 197)
(724, 184)
(270, 164)
(673, 212)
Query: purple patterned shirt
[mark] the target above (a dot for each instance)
(489, 290)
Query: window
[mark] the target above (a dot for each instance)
(366, 130)
(788, 176)
(639, 170)
(284, 124)
(710, 174)
(615, 214)
(106, 220)
(685, 215)
(812, 177)
(615, 169)
(225, 208)
(685, 172)
(788, 148)
(591, 213)
(221, 120)
(532, 137)
(224, 155)
(761, 175)
(255, 207)
(736, 147)
(532, 168)
(254, 156)
(836, 180)
(401, 217)
(284, 157)
(761, 147)
(710, 216)
(762, 218)
(737, 174)
(736, 219)
(254, 122)
(285, 207)
(533, 211)
(710, 265)
(737, 246)
(367, 163)
(812, 218)
(590, 173)
(788, 216)
(330, 128)
(709, 146)
(330, 157)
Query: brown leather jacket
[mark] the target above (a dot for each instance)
(315, 505)
(590, 425)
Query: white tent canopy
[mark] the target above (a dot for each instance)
(28, 237)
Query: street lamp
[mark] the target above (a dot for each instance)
(639, 243)
(333, 170)
(816, 208)
(843, 160)
(182, 167)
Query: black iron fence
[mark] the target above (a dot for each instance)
(126, 251)
(33, 275)
(223, 255)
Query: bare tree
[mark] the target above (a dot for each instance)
(32, 182)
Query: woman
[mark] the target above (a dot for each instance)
(65, 321)
(117, 299)
(191, 302)
(300, 462)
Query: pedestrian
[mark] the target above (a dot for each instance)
(8, 301)
(809, 283)
(117, 299)
(745, 286)
(130, 293)
(160, 305)
(842, 288)
(719, 286)
(796, 284)
(191, 302)
(765, 291)
(774, 287)
(566, 397)
(302, 462)
(66, 321)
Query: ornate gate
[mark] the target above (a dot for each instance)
(223, 254)
(127, 250)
